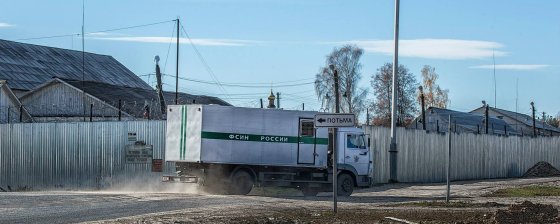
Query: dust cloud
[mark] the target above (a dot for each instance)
(148, 184)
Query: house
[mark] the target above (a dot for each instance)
(522, 123)
(437, 120)
(71, 100)
(52, 87)
(11, 110)
(26, 66)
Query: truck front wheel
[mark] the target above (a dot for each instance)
(345, 184)
(241, 182)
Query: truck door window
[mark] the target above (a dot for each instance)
(355, 141)
(306, 129)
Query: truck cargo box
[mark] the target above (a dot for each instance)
(252, 136)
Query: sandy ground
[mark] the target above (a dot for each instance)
(186, 205)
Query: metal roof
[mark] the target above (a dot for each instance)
(26, 66)
(466, 120)
(523, 118)
(111, 94)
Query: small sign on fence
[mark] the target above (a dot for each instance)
(157, 165)
(139, 152)
(132, 137)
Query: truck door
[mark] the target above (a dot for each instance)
(356, 153)
(306, 142)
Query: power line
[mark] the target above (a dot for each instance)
(99, 31)
(206, 66)
(236, 85)
(131, 27)
(48, 37)
(169, 47)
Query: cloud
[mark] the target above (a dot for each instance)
(99, 34)
(201, 42)
(450, 49)
(6, 25)
(511, 67)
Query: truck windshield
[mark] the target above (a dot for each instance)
(355, 141)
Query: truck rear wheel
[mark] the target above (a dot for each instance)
(241, 183)
(345, 184)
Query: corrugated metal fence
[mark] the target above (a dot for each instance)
(91, 154)
(422, 156)
(69, 155)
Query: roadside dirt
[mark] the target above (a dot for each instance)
(274, 214)
(381, 204)
(417, 203)
(527, 212)
(542, 169)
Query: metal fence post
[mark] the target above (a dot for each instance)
(91, 112)
(447, 196)
(20, 113)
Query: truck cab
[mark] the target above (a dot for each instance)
(354, 154)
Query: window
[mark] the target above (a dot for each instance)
(355, 141)
(306, 129)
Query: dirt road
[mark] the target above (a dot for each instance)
(377, 203)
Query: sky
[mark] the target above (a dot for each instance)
(251, 46)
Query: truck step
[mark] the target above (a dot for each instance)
(179, 179)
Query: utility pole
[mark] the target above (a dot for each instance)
(495, 85)
(159, 87)
(20, 113)
(534, 126)
(278, 99)
(120, 109)
(83, 60)
(544, 117)
(393, 146)
(335, 138)
(336, 97)
(423, 108)
(367, 116)
(486, 117)
(177, 66)
(447, 195)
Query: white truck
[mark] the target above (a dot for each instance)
(231, 149)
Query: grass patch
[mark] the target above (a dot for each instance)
(454, 204)
(275, 191)
(528, 191)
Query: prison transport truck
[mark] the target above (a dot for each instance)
(231, 149)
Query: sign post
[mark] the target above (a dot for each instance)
(333, 121)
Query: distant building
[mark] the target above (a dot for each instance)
(522, 123)
(11, 110)
(71, 100)
(437, 120)
(52, 87)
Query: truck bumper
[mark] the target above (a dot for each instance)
(363, 181)
(179, 179)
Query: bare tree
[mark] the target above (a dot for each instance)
(553, 121)
(346, 60)
(434, 96)
(406, 89)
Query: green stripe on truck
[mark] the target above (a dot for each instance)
(263, 138)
